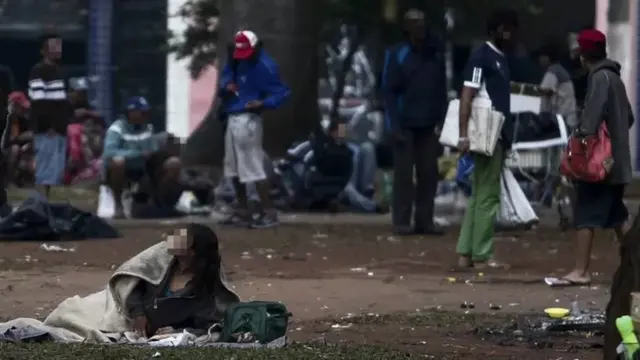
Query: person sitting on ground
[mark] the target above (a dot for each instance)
(359, 190)
(131, 153)
(17, 140)
(85, 136)
(189, 295)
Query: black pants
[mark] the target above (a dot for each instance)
(420, 149)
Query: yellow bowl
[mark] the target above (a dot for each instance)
(557, 313)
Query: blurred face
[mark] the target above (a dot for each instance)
(416, 29)
(544, 60)
(53, 49)
(137, 116)
(504, 37)
(179, 244)
(78, 96)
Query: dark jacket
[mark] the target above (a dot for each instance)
(182, 309)
(607, 100)
(50, 108)
(414, 85)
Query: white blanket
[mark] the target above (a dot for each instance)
(100, 317)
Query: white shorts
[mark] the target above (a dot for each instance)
(243, 153)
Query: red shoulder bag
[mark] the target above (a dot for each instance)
(588, 159)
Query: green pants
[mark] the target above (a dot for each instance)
(476, 235)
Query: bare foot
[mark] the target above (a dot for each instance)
(578, 277)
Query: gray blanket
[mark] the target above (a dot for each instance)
(101, 317)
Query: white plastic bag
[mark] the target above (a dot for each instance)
(450, 133)
(106, 203)
(484, 129)
(515, 208)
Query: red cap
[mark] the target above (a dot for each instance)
(245, 44)
(591, 39)
(18, 97)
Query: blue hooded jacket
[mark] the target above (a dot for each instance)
(414, 85)
(257, 79)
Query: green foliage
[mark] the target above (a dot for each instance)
(199, 40)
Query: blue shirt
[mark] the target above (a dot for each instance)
(488, 69)
(129, 141)
(257, 79)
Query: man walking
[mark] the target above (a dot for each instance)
(486, 72)
(250, 84)
(50, 113)
(415, 96)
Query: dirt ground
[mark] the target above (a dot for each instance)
(330, 275)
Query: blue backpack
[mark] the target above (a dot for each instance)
(401, 55)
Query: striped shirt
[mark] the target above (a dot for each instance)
(50, 108)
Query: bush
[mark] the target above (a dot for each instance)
(51, 351)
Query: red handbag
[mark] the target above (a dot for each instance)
(588, 159)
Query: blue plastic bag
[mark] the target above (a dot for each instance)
(463, 173)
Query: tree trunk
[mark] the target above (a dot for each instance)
(289, 30)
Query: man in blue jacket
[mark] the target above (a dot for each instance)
(249, 84)
(415, 99)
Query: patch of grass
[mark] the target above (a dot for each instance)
(49, 351)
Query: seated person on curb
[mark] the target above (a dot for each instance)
(17, 140)
(85, 137)
(192, 294)
(360, 189)
(131, 153)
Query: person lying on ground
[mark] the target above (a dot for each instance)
(183, 299)
(17, 140)
(131, 153)
(359, 190)
(85, 137)
(174, 285)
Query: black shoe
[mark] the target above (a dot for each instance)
(265, 221)
(235, 220)
(382, 209)
(429, 231)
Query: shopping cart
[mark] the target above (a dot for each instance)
(535, 161)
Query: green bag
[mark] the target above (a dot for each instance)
(264, 320)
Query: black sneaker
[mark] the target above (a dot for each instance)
(265, 221)
(235, 220)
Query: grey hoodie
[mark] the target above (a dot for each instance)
(607, 100)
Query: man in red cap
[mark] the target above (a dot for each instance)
(600, 205)
(249, 84)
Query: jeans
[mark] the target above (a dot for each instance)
(362, 178)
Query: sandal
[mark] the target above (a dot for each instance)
(564, 282)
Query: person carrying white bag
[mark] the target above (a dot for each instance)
(487, 69)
